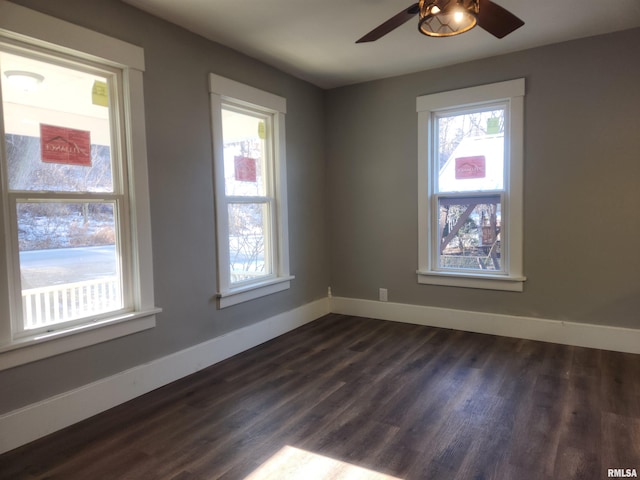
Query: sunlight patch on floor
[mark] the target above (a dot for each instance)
(291, 463)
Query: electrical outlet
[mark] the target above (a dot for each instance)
(383, 295)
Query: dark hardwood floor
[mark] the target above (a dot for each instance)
(346, 397)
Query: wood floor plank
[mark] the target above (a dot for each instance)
(620, 442)
(377, 399)
(573, 462)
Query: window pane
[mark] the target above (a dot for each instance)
(244, 153)
(248, 241)
(69, 263)
(469, 233)
(471, 151)
(57, 127)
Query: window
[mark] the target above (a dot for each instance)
(470, 145)
(73, 155)
(250, 191)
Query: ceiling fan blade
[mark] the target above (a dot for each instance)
(496, 20)
(391, 24)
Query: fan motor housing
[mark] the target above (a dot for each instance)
(445, 18)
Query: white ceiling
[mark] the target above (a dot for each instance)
(315, 39)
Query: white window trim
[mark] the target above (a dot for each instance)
(221, 89)
(512, 92)
(40, 30)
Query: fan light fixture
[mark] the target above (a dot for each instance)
(446, 18)
(22, 80)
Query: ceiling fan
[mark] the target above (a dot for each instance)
(445, 18)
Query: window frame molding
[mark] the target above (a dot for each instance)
(39, 31)
(224, 90)
(511, 93)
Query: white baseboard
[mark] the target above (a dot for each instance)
(39, 419)
(554, 331)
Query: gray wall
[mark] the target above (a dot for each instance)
(582, 183)
(182, 213)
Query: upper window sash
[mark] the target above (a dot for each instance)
(265, 170)
(502, 137)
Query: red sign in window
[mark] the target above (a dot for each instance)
(470, 167)
(65, 145)
(245, 169)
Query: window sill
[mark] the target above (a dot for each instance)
(471, 280)
(43, 345)
(253, 291)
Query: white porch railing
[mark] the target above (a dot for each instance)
(242, 276)
(45, 306)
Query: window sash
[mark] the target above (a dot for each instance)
(268, 153)
(269, 239)
(470, 199)
(116, 106)
(435, 195)
(123, 265)
(436, 116)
